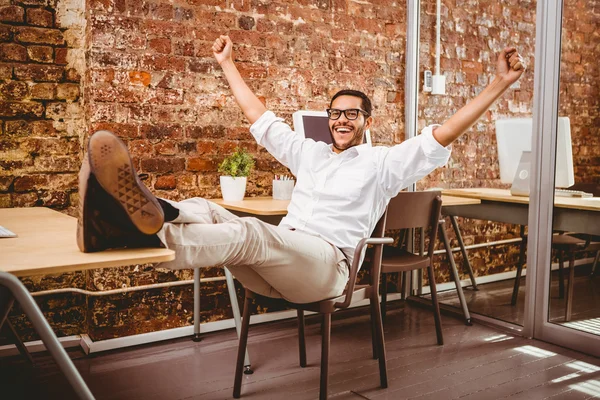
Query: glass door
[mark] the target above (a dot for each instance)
(566, 243)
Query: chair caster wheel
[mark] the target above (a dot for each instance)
(248, 370)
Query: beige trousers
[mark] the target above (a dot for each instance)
(267, 259)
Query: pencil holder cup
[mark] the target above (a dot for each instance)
(282, 190)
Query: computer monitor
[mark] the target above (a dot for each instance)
(514, 137)
(315, 125)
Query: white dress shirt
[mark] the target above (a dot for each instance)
(340, 197)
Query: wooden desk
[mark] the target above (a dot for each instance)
(570, 214)
(46, 244)
(273, 211)
(266, 206)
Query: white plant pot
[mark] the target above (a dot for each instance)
(233, 189)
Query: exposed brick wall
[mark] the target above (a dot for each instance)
(154, 81)
(41, 115)
(580, 86)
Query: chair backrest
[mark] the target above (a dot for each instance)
(415, 210)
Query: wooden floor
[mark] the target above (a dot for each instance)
(476, 362)
(493, 299)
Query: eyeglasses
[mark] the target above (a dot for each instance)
(351, 113)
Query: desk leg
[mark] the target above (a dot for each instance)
(461, 243)
(196, 337)
(595, 264)
(6, 304)
(461, 295)
(20, 293)
(237, 317)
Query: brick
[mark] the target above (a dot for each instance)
(140, 78)
(6, 71)
(21, 109)
(56, 163)
(203, 132)
(183, 14)
(201, 66)
(43, 54)
(40, 35)
(43, 128)
(11, 14)
(13, 52)
(202, 165)
(40, 17)
(18, 128)
(29, 183)
(161, 131)
(163, 63)
(60, 56)
(54, 199)
(174, 164)
(166, 182)
(6, 182)
(129, 131)
(39, 73)
(25, 200)
(71, 75)
(5, 32)
(14, 90)
(47, 146)
(67, 91)
(246, 22)
(161, 11)
(160, 45)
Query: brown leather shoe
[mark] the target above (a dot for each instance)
(115, 208)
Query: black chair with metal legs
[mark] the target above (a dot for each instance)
(14, 290)
(353, 293)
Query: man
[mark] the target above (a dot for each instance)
(341, 192)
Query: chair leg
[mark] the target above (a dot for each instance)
(569, 302)
(436, 306)
(301, 338)
(522, 250)
(22, 296)
(561, 278)
(376, 319)
(383, 296)
(595, 264)
(325, 342)
(374, 329)
(239, 367)
(19, 343)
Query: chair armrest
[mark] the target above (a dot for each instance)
(356, 264)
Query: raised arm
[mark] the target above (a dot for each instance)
(510, 67)
(251, 106)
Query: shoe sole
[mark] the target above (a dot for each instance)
(111, 165)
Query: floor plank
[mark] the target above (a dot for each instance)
(476, 362)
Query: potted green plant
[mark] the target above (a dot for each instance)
(234, 170)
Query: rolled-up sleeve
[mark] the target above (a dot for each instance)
(411, 160)
(278, 138)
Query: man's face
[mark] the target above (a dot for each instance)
(344, 132)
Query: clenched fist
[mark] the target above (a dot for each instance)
(510, 65)
(222, 49)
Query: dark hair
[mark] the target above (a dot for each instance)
(366, 102)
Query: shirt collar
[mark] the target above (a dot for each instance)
(354, 150)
